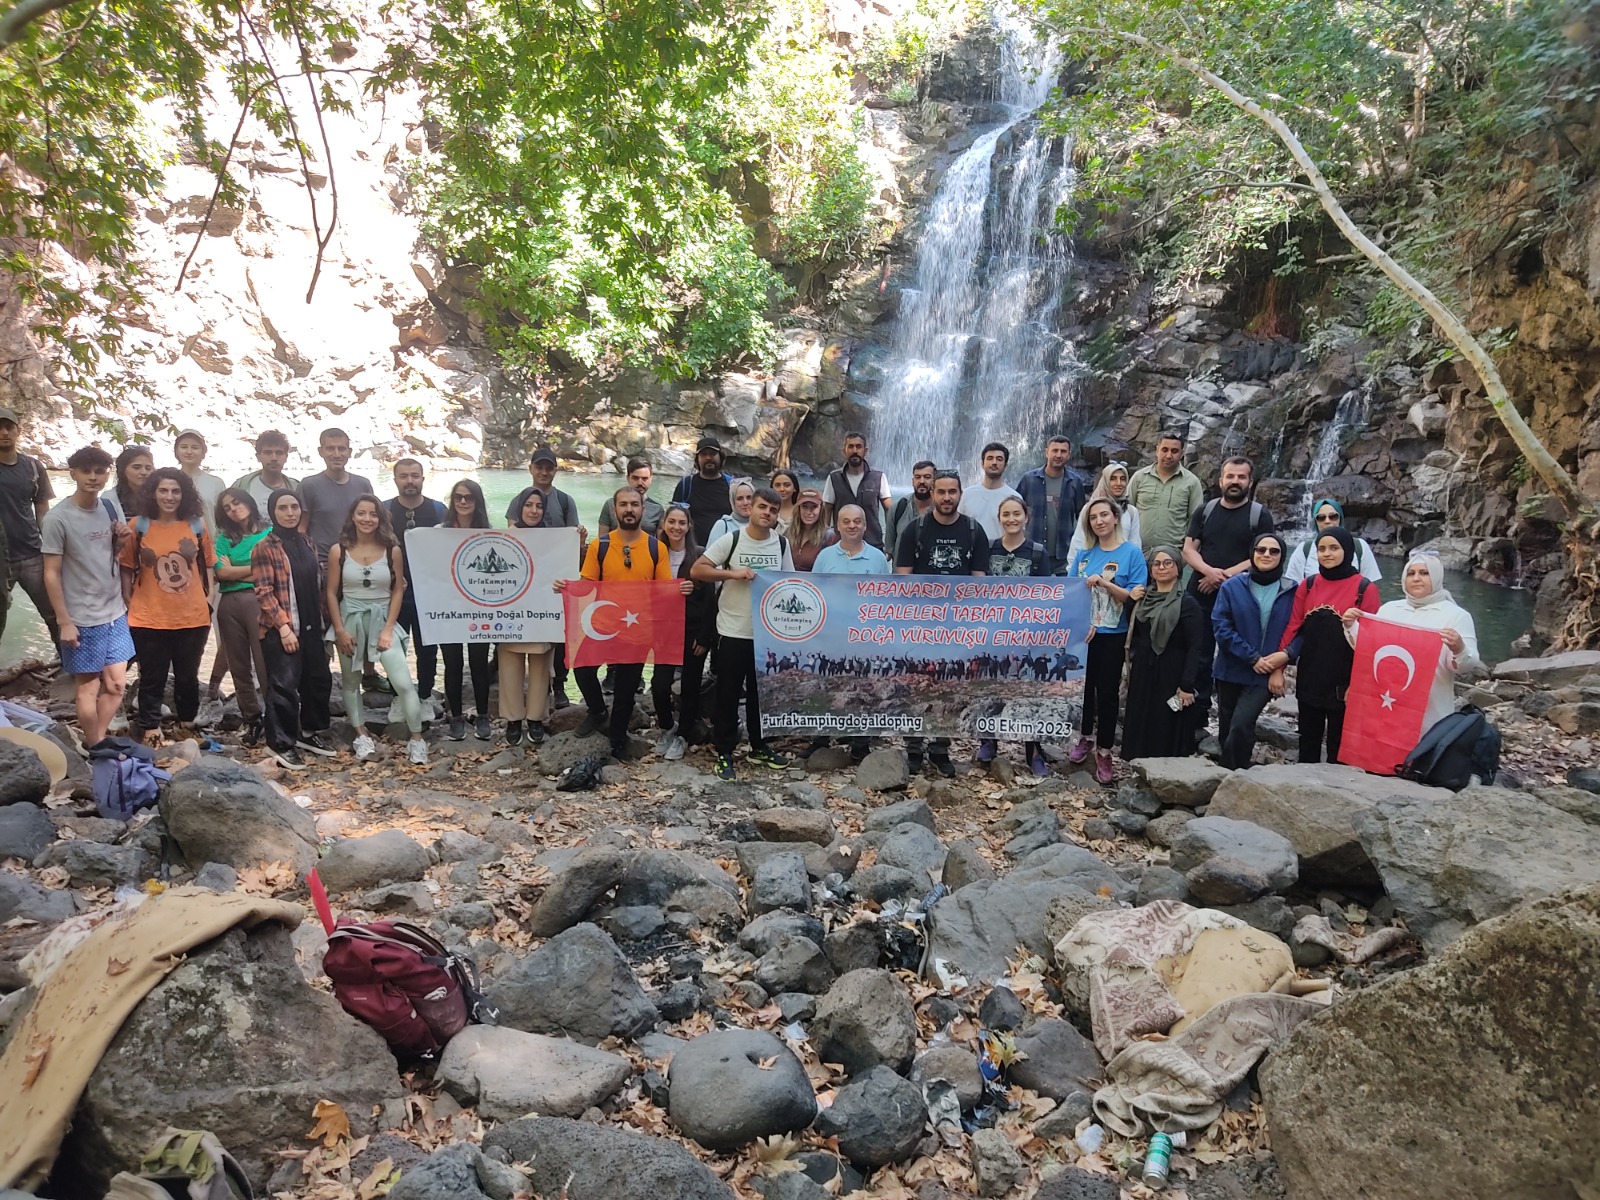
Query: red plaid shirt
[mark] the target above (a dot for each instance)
(274, 584)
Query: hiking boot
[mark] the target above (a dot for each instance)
(593, 723)
(290, 759)
(482, 730)
(914, 763)
(1080, 751)
(458, 729)
(765, 756)
(724, 768)
(1104, 770)
(417, 752)
(513, 733)
(943, 765)
(986, 750)
(364, 747)
(316, 744)
(558, 697)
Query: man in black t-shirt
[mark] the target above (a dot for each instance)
(706, 491)
(412, 510)
(1216, 549)
(941, 542)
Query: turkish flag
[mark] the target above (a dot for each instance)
(623, 621)
(1389, 685)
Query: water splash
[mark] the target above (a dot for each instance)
(1351, 414)
(975, 354)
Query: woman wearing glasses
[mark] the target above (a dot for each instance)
(1302, 560)
(366, 584)
(467, 511)
(1251, 613)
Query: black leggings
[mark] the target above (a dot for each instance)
(1315, 724)
(478, 657)
(1239, 706)
(1102, 686)
(693, 672)
(299, 687)
(174, 651)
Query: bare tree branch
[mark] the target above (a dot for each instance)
(22, 14)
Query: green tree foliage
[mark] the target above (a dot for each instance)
(77, 157)
(1437, 119)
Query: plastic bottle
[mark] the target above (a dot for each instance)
(1158, 1161)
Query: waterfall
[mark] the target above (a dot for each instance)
(1351, 414)
(975, 355)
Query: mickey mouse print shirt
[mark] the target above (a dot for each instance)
(167, 562)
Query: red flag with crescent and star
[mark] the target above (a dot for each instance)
(623, 621)
(1389, 685)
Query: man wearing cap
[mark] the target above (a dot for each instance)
(189, 448)
(706, 491)
(25, 495)
(560, 510)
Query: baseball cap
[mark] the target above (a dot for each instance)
(10, 414)
(544, 455)
(195, 434)
(708, 443)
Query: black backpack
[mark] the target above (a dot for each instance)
(1453, 750)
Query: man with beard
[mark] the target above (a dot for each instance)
(412, 510)
(627, 552)
(908, 508)
(943, 542)
(560, 509)
(1217, 548)
(641, 476)
(1166, 493)
(706, 491)
(858, 484)
(982, 503)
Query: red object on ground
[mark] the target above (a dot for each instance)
(623, 621)
(1389, 685)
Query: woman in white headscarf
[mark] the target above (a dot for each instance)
(1113, 482)
(1426, 605)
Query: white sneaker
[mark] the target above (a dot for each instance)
(364, 747)
(417, 752)
(676, 748)
(665, 740)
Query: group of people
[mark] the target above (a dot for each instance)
(1190, 598)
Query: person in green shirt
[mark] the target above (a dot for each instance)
(239, 527)
(1167, 494)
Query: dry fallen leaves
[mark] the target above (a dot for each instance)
(332, 1124)
(34, 1060)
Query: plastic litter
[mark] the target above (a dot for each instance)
(1091, 1139)
(1158, 1162)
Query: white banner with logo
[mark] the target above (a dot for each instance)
(491, 585)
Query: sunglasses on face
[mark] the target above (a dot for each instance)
(1327, 518)
(460, 496)
(1270, 552)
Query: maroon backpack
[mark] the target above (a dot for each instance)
(399, 979)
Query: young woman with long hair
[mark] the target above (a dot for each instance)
(239, 529)
(134, 465)
(287, 578)
(680, 731)
(787, 484)
(466, 509)
(366, 585)
(809, 531)
(525, 667)
(166, 580)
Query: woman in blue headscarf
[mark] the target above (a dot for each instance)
(1326, 514)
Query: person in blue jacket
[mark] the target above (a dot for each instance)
(1249, 618)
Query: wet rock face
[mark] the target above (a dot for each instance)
(234, 1041)
(1472, 1075)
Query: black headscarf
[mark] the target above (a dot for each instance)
(1348, 567)
(1257, 575)
(303, 565)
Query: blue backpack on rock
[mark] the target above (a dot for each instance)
(125, 777)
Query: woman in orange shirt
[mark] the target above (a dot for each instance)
(166, 580)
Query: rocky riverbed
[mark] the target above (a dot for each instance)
(753, 988)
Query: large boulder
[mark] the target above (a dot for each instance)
(600, 1162)
(1449, 864)
(1552, 671)
(732, 1086)
(235, 1041)
(569, 896)
(975, 930)
(865, 1020)
(1190, 782)
(877, 1117)
(576, 984)
(221, 811)
(1471, 1076)
(26, 830)
(363, 862)
(508, 1073)
(21, 897)
(675, 880)
(1228, 862)
(460, 1171)
(24, 779)
(1314, 805)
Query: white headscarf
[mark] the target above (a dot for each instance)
(1435, 575)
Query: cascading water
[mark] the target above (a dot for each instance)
(1351, 414)
(975, 354)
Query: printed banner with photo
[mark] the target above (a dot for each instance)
(920, 655)
(491, 585)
